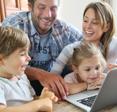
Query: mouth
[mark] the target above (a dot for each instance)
(46, 22)
(88, 33)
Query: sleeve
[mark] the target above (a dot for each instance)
(24, 77)
(63, 58)
(70, 78)
(75, 34)
(112, 55)
(13, 21)
(2, 97)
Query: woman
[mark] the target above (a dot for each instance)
(98, 27)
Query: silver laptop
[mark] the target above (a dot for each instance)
(92, 101)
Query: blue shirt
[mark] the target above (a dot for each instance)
(44, 51)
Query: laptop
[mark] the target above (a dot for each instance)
(94, 100)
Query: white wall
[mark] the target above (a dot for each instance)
(114, 6)
(72, 10)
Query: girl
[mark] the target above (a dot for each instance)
(88, 64)
(16, 93)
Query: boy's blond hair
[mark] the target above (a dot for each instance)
(12, 39)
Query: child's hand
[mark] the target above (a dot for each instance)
(96, 84)
(48, 94)
(45, 105)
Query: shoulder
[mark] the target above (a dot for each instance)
(70, 78)
(72, 45)
(66, 27)
(15, 19)
(113, 43)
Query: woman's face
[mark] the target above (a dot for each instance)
(92, 28)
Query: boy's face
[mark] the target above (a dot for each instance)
(15, 64)
(89, 69)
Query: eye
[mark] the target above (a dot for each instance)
(22, 53)
(96, 22)
(84, 20)
(97, 68)
(53, 8)
(41, 7)
(88, 69)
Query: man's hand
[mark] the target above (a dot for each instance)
(52, 81)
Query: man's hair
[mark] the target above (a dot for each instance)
(11, 39)
(33, 1)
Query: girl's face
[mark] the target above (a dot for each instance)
(16, 63)
(92, 28)
(89, 69)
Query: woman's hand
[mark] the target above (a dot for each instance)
(111, 66)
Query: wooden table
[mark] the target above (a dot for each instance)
(64, 106)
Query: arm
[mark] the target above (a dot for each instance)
(63, 58)
(52, 81)
(76, 87)
(34, 106)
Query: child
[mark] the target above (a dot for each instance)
(88, 65)
(16, 93)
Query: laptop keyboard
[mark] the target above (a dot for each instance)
(88, 101)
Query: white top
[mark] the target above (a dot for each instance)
(15, 91)
(67, 52)
(71, 78)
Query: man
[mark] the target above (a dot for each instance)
(48, 36)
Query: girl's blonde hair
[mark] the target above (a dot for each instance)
(12, 39)
(104, 13)
(84, 51)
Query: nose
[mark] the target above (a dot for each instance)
(89, 24)
(47, 13)
(28, 58)
(94, 74)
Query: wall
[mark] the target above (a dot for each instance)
(72, 11)
(114, 5)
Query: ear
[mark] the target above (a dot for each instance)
(106, 28)
(75, 68)
(1, 60)
(30, 7)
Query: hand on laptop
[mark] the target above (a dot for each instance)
(111, 66)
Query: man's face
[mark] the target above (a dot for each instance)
(44, 13)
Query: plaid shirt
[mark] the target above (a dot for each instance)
(60, 36)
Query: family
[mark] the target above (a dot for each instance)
(37, 50)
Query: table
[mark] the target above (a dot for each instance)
(64, 106)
